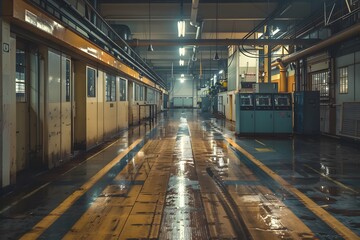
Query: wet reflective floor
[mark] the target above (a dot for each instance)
(189, 177)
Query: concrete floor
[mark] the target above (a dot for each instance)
(188, 177)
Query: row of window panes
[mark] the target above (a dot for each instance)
(110, 86)
(320, 82)
(343, 80)
(138, 92)
(110, 89)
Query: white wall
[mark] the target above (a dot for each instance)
(352, 61)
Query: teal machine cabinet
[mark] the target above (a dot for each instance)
(307, 112)
(263, 113)
(282, 113)
(244, 103)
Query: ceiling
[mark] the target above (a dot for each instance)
(225, 19)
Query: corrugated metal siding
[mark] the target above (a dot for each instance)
(351, 119)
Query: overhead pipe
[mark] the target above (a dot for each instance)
(221, 42)
(283, 83)
(341, 36)
(194, 11)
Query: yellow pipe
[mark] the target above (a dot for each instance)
(283, 80)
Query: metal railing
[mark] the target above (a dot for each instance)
(81, 16)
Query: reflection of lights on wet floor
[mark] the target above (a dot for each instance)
(221, 162)
(181, 192)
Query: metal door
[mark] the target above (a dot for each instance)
(66, 113)
(53, 110)
(178, 102)
(22, 110)
(188, 102)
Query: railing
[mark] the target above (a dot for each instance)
(152, 112)
(85, 20)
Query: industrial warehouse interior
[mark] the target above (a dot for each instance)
(180, 119)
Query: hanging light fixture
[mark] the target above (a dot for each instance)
(181, 28)
(181, 22)
(216, 57)
(150, 47)
(182, 51)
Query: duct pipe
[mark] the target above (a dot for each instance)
(221, 42)
(341, 36)
(194, 10)
(283, 83)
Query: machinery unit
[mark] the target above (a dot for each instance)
(307, 112)
(263, 113)
(265, 87)
(244, 113)
(205, 104)
(282, 113)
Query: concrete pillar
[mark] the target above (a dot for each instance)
(7, 107)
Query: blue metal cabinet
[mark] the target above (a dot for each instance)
(282, 113)
(244, 103)
(307, 112)
(264, 122)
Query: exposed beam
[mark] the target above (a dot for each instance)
(221, 42)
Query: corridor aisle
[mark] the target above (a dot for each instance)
(188, 177)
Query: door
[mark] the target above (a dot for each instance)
(178, 102)
(188, 102)
(22, 110)
(66, 113)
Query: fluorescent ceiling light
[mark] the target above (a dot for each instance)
(182, 51)
(276, 31)
(181, 62)
(221, 71)
(182, 75)
(181, 28)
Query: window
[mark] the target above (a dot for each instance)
(320, 82)
(138, 92)
(123, 90)
(110, 88)
(141, 93)
(91, 82)
(67, 81)
(20, 81)
(344, 81)
(150, 96)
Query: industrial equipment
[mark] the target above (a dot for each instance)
(244, 113)
(263, 113)
(265, 87)
(307, 112)
(282, 113)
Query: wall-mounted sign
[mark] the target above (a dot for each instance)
(6, 47)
